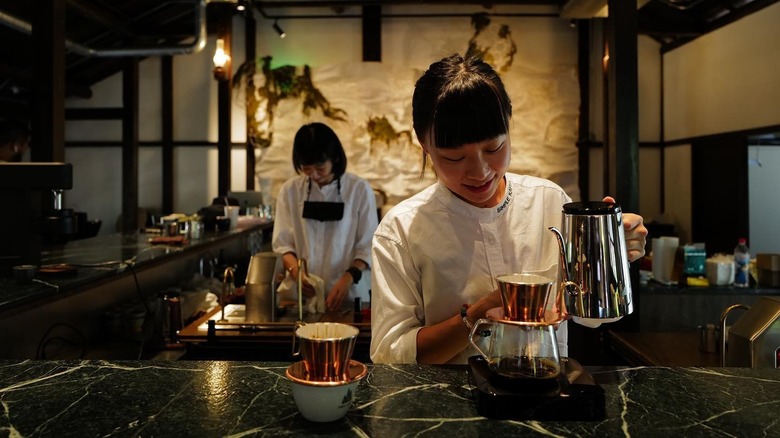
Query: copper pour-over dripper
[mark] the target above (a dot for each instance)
(525, 296)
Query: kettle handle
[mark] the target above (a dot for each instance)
(574, 290)
(299, 324)
(482, 333)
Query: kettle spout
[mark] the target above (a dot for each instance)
(562, 249)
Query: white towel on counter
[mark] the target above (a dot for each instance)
(288, 288)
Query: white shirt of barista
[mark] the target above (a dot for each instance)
(329, 247)
(434, 252)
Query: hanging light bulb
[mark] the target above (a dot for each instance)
(279, 30)
(221, 60)
(220, 57)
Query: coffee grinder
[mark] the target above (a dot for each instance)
(33, 216)
(519, 373)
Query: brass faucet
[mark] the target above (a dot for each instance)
(302, 268)
(229, 272)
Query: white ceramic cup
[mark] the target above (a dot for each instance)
(231, 212)
(720, 272)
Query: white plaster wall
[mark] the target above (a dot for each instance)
(721, 82)
(407, 42)
(649, 89)
(726, 80)
(649, 189)
(677, 187)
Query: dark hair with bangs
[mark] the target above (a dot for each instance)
(458, 101)
(316, 143)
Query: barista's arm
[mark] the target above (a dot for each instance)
(340, 289)
(438, 343)
(290, 262)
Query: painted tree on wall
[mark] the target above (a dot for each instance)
(369, 107)
(280, 83)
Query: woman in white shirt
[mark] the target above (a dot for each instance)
(327, 216)
(438, 252)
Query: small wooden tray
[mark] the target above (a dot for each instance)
(168, 240)
(59, 270)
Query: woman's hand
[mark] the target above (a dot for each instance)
(307, 289)
(339, 292)
(482, 305)
(636, 233)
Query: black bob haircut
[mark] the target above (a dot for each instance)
(316, 143)
(459, 101)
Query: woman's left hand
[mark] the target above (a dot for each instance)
(636, 233)
(339, 292)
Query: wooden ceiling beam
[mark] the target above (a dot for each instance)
(94, 12)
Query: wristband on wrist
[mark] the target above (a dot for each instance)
(464, 315)
(356, 274)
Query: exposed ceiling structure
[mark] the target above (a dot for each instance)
(99, 33)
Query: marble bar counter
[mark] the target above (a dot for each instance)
(81, 280)
(213, 398)
(102, 259)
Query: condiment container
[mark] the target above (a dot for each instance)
(720, 270)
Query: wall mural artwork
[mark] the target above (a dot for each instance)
(368, 104)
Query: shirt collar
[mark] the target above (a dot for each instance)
(479, 213)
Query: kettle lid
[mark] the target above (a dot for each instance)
(591, 207)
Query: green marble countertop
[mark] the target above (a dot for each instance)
(100, 259)
(211, 398)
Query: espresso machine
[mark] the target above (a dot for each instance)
(519, 373)
(33, 214)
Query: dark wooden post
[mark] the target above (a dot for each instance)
(224, 141)
(166, 74)
(250, 50)
(372, 33)
(48, 102)
(130, 146)
(622, 136)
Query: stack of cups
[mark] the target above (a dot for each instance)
(664, 250)
(325, 381)
(231, 212)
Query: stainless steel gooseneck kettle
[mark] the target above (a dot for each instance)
(594, 261)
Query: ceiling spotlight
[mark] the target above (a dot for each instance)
(241, 6)
(279, 30)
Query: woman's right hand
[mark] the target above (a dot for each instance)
(482, 305)
(308, 289)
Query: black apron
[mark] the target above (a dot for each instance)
(323, 211)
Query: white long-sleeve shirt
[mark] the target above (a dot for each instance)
(329, 247)
(433, 252)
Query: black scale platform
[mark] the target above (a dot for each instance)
(576, 397)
